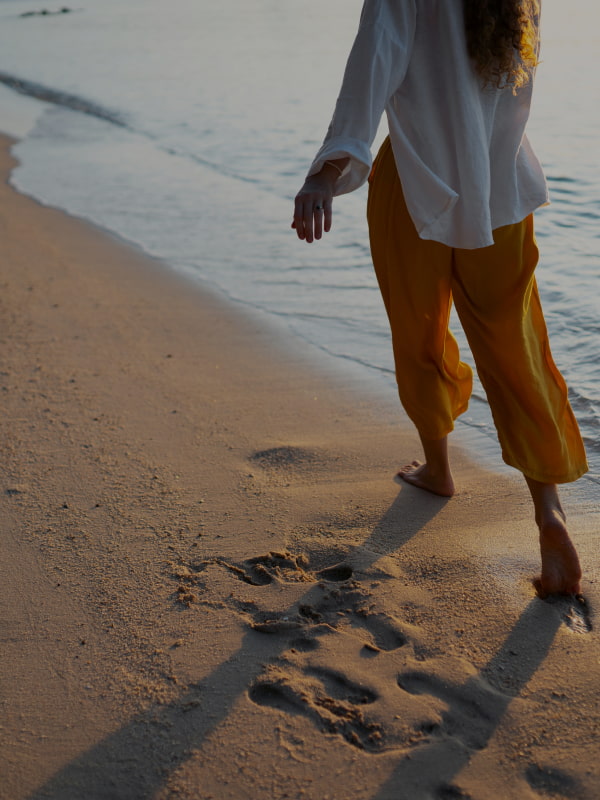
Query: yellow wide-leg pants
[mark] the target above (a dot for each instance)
(496, 297)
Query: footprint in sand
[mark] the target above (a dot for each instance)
(258, 571)
(287, 463)
(473, 709)
(280, 566)
(285, 457)
(348, 608)
(336, 601)
(328, 698)
(574, 611)
(334, 604)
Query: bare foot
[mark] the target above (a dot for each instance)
(421, 476)
(561, 573)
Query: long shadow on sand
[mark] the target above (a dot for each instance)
(136, 760)
(474, 710)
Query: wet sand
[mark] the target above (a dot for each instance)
(210, 585)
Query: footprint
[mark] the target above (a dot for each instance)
(472, 712)
(338, 602)
(574, 611)
(347, 608)
(277, 694)
(285, 457)
(284, 566)
(273, 566)
(341, 688)
(384, 630)
(378, 632)
(329, 699)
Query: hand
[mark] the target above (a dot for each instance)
(313, 205)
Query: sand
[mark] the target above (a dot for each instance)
(210, 586)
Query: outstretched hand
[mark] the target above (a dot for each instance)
(313, 207)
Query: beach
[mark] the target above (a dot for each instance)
(212, 588)
(147, 124)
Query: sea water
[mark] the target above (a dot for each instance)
(186, 127)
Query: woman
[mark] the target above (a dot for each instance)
(451, 197)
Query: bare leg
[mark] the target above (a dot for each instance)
(561, 572)
(434, 475)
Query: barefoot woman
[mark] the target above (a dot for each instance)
(451, 197)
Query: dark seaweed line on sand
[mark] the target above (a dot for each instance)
(75, 103)
(59, 98)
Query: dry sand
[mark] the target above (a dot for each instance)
(210, 587)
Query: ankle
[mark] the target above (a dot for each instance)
(436, 457)
(546, 501)
(441, 471)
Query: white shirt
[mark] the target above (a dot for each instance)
(464, 161)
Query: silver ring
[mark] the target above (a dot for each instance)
(318, 208)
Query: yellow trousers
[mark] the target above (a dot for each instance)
(496, 297)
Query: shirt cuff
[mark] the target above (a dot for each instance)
(356, 171)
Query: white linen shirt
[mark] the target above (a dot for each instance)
(464, 161)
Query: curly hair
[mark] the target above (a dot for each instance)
(502, 39)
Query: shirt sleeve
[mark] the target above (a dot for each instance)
(375, 69)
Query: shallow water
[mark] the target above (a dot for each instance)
(187, 128)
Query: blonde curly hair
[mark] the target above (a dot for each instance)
(502, 39)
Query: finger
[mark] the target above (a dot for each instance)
(298, 222)
(308, 221)
(328, 214)
(318, 220)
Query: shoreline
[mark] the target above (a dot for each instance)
(475, 432)
(208, 565)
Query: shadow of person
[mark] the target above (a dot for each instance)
(474, 709)
(410, 512)
(137, 760)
